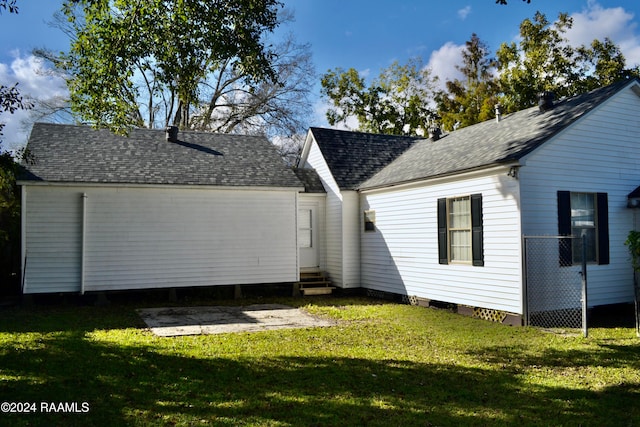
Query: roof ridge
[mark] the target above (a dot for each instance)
(353, 132)
(490, 142)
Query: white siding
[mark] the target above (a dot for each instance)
(334, 217)
(401, 256)
(599, 153)
(159, 237)
(53, 234)
(351, 239)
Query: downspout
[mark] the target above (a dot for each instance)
(84, 242)
(23, 236)
(297, 243)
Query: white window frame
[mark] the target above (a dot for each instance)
(586, 226)
(456, 229)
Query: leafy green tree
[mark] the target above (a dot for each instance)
(229, 100)
(174, 45)
(395, 103)
(603, 63)
(470, 101)
(543, 61)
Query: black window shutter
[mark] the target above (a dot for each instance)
(564, 227)
(443, 255)
(477, 238)
(602, 214)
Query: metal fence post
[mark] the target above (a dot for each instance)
(585, 330)
(525, 298)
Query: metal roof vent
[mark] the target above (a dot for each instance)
(433, 128)
(435, 132)
(172, 133)
(498, 108)
(545, 101)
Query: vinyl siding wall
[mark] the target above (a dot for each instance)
(401, 255)
(158, 237)
(599, 153)
(334, 215)
(52, 230)
(351, 239)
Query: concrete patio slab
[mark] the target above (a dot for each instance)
(176, 321)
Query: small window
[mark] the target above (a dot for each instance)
(369, 220)
(305, 228)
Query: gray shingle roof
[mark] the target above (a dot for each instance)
(68, 153)
(310, 179)
(354, 157)
(490, 142)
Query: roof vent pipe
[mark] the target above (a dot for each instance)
(172, 133)
(545, 101)
(498, 108)
(434, 133)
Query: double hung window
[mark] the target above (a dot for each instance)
(584, 215)
(460, 232)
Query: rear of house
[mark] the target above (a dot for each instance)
(444, 219)
(452, 239)
(578, 182)
(103, 212)
(432, 219)
(343, 160)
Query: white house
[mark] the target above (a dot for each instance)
(439, 220)
(444, 219)
(104, 212)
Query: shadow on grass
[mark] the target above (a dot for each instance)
(138, 385)
(55, 314)
(606, 356)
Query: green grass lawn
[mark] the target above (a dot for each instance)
(384, 364)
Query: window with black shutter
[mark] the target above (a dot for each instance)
(585, 215)
(460, 230)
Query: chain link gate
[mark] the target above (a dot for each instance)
(555, 286)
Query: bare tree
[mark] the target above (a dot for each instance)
(230, 100)
(232, 104)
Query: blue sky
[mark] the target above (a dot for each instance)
(367, 35)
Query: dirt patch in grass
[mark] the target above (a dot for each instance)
(177, 321)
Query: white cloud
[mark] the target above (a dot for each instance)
(596, 22)
(35, 82)
(443, 61)
(319, 118)
(464, 12)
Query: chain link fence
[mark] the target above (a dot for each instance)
(555, 282)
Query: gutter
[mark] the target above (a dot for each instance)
(43, 183)
(464, 173)
(23, 237)
(84, 243)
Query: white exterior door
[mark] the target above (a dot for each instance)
(308, 236)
